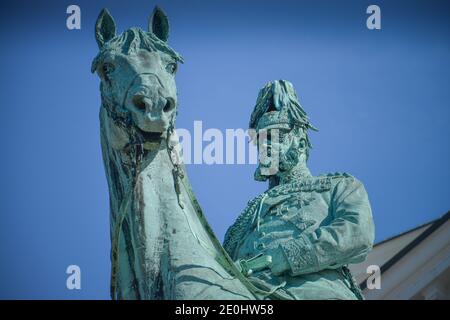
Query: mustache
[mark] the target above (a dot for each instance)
(285, 161)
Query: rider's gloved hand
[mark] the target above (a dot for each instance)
(279, 263)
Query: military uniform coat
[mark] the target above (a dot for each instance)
(322, 224)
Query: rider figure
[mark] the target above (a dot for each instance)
(298, 237)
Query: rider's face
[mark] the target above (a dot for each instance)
(273, 143)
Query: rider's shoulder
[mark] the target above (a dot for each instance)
(336, 176)
(342, 179)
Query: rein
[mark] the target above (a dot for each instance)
(123, 121)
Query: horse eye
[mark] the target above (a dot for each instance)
(108, 68)
(171, 68)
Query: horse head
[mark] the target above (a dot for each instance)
(161, 244)
(137, 71)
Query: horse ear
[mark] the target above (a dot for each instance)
(105, 28)
(159, 24)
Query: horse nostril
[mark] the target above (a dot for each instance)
(169, 105)
(139, 102)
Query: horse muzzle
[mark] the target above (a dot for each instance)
(152, 109)
(153, 115)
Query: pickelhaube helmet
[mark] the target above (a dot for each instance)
(277, 106)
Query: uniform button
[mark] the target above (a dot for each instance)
(262, 234)
(261, 246)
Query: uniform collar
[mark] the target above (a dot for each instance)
(295, 175)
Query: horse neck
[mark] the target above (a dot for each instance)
(123, 169)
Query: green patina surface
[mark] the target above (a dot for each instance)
(310, 228)
(291, 242)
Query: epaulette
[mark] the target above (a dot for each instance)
(337, 175)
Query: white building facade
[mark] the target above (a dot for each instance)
(414, 265)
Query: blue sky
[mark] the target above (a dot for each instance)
(379, 98)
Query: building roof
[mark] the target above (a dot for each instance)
(396, 247)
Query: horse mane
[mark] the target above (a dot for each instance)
(130, 41)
